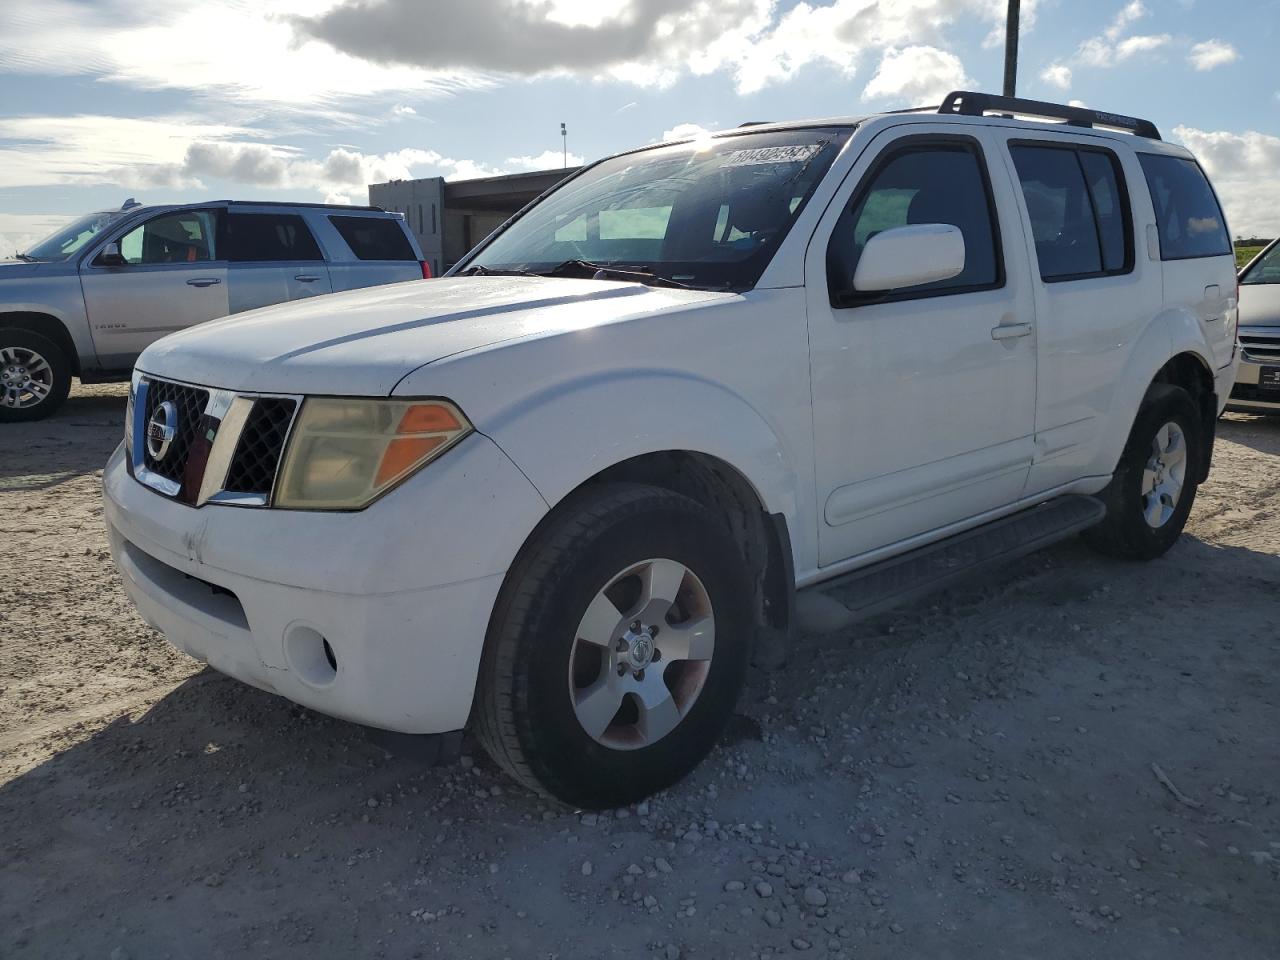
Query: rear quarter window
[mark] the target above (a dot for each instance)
(1187, 213)
(374, 238)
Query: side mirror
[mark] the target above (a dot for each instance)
(110, 256)
(910, 256)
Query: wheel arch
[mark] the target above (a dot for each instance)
(764, 537)
(47, 325)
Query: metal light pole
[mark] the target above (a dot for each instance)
(564, 139)
(1011, 50)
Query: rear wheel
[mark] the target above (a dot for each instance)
(1154, 486)
(35, 375)
(617, 649)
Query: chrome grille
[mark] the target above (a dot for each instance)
(226, 447)
(257, 457)
(1261, 348)
(189, 404)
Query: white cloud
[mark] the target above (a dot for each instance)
(684, 131)
(917, 75)
(403, 110)
(21, 231)
(1057, 75)
(1212, 53)
(231, 51)
(1245, 169)
(546, 160)
(1112, 46)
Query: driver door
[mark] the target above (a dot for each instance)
(171, 278)
(923, 397)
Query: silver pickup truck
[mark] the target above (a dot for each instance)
(87, 300)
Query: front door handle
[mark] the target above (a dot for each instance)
(1010, 331)
(202, 281)
(306, 278)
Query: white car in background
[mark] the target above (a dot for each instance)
(1257, 387)
(567, 495)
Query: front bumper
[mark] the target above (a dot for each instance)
(377, 617)
(1246, 395)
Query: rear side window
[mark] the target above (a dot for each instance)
(1078, 208)
(257, 237)
(936, 182)
(1187, 213)
(375, 238)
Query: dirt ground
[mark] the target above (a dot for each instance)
(970, 778)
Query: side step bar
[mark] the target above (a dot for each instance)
(872, 590)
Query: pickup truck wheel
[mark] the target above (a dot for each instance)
(617, 648)
(35, 375)
(1152, 491)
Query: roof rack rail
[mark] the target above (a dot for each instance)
(970, 104)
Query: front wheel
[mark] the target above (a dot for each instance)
(1154, 486)
(35, 375)
(617, 649)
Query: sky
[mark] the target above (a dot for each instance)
(313, 99)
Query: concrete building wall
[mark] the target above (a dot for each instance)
(422, 203)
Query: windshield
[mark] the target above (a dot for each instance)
(1266, 269)
(69, 240)
(706, 214)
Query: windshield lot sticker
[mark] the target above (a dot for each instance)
(799, 153)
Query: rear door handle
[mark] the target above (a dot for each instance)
(306, 278)
(202, 281)
(1010, 331)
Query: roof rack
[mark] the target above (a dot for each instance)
(299, 203)
(969, 104)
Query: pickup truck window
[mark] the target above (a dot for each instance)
(1078, 209)
(375, 238)
(187, 236)
(925, 182)
(267, 237)
(1187, 213)
(706, 214)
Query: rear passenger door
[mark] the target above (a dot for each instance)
(273, 257)
(370, 248)
(1094, 292)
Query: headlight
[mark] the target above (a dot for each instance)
(345, 453)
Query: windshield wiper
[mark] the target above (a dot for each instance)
(602, 271)
(26, 257)
(480, 271)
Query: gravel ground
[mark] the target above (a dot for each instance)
(973, 777)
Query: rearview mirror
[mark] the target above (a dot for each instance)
(110, 256)
(910, 256)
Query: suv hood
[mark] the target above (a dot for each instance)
(1260, 304)
(362, 343)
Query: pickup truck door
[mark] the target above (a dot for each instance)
(923, 399)
(172, 277)
(273, 258)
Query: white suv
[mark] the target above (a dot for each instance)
(567, 495)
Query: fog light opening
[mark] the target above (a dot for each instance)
(310, 655)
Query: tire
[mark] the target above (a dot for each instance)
(1141, 526)
(35, 375)
(532, 707)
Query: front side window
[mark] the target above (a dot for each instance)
(267, 237)
(932, 182)
(706, 214)
(1078, 211)
(188, 236)
(67, 241)
(1187, 213)
(1266, 269)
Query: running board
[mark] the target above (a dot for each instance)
(871, 590)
